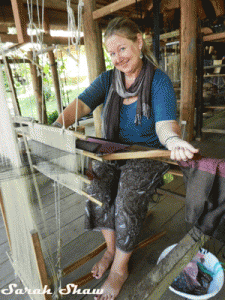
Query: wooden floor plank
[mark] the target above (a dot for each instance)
(68, 233)
(7, 273)
(74, 203)
(3, 249)
(80, 247)
(3, 236)
(72, 214)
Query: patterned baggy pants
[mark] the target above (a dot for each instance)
(125, 192)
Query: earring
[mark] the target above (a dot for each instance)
(141, 55)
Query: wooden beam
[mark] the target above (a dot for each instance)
(83, 260)
(176, 34)
(40, 262)
(138, 154)
(47, 39)
(201, 12)
(15, 101)
(218, 7)
(165, 36)
(46, 24)
(13, 61)
(213, 130)
(5, 219)
(53, 5)
(156, 282)
(214, 37)
(113, 7)
(3, 28)
(57, 18)
(11, 38)
(94, 53)
(170, 5)
(188, 64)
(20, 18)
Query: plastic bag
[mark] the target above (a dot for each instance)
(195, 278)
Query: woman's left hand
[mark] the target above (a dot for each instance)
(180, 150)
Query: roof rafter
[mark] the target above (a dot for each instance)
(113, 7)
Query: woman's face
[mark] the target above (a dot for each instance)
(124, 53)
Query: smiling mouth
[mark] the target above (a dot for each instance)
(123, 64)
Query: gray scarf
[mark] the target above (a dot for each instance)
(117, 92)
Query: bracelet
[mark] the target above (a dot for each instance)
(57, 124)
(171, 137)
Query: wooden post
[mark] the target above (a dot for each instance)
(15, 101)
(156, 14)
(55, 78)
(188, 64)
(94, 53)
(40, 262)
(20, 20)
(199, 93)
(37, 86)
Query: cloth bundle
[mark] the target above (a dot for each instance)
(205, 195)
(195, 279)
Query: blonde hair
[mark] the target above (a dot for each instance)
(125, 27)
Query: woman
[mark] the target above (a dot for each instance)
(139, 108)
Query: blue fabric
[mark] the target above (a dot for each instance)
(163, 108)
(97, 92)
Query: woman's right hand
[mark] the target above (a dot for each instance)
(180, 150)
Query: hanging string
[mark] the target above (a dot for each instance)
(39, 37)
(58, 226)
(48, 247)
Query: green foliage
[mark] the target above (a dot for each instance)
(167, 178)
(47, 93)
(5, 81)
(52, 117)
(108, 62)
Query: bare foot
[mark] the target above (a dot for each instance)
(112, 286)
(100, 267)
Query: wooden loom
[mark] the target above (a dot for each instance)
(64, 141)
